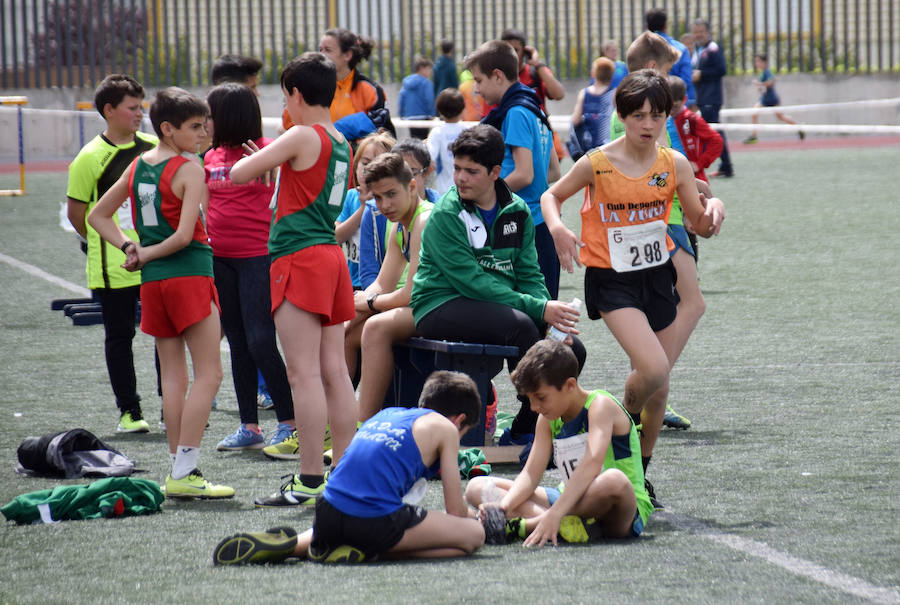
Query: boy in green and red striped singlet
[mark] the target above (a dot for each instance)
(312, 295)
(179, 304)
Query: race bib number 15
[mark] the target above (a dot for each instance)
(568, 454)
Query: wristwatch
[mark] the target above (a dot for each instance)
(371, 301)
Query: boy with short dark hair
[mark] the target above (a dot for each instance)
(369, 508)
(626, 243)
(702, 145)
(478, 278)
(383, 314)
(444, 74)
(450, 105)
(529, 162)
(178, 295)
(597, 451)
(237, 68)
(416, 99)
(314, 160)
(94, 170)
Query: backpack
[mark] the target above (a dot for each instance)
(70, 454)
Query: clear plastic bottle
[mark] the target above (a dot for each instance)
(557, 334)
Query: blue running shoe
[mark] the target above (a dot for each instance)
(281, 433)
(242, 439)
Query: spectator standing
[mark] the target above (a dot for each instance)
(657, 21)
(417, 96)
(708, 62)
(444, 74)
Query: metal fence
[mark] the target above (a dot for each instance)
(74, 43)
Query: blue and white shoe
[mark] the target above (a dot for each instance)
(242, 439)
(281, 433)
(264, 401)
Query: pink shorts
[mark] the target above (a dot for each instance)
(315, 279)
(171, 306)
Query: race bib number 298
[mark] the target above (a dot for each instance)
(637, 247)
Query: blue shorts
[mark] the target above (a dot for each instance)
(679, 235)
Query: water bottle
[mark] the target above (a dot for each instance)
(557, 334)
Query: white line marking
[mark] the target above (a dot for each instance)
(32, 270)
(801, 567)
(81, 291)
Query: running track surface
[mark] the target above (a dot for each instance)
(733, 146)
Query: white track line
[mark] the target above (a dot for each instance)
(81, 291)
(801, 567)
(37, 272)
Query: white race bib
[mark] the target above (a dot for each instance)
(340, 184)
(568, 454)
(147, 199)
(351, 248)
(636, 247)
(124, 214)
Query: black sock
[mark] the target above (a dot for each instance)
(312, 480)
(645, 460)
(525, 419)
(635, 417)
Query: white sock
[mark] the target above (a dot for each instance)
(185, 461)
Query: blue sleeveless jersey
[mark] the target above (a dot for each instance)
(380, 465)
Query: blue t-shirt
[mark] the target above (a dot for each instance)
(380, 465)
(522, 128)
(351, 246)
(769, 97)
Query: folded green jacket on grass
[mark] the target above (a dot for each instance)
(111, 497)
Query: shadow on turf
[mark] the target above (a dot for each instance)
(694, 438)
(668, 522)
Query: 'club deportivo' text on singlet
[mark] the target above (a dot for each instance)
(307, 202)
(624, 223)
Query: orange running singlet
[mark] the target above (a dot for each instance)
(624, 225)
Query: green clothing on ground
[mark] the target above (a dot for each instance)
(110, 497)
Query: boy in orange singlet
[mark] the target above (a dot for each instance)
(178, 295)
(312, 295)
(630, 279)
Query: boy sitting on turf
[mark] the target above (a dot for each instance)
(368, 508)
(179, 298)
(597, 451)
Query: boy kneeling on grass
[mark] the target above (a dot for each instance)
(368, 509)
(597, 451)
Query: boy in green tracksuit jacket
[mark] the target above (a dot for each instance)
(478, 278)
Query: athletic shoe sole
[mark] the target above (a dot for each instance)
(122, 429)
(240, 448)
(272, 546)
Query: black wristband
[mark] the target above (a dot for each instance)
(539, 65)
(124, 246)
(371, 302)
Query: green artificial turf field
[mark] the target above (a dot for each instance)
(784, 490)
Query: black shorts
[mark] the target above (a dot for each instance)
(651, 291)
(371, 535)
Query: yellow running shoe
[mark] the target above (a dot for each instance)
(270, 546)
(132, 422)
(195, 486)
(575, 530)
(289, 449)
(338, 554)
